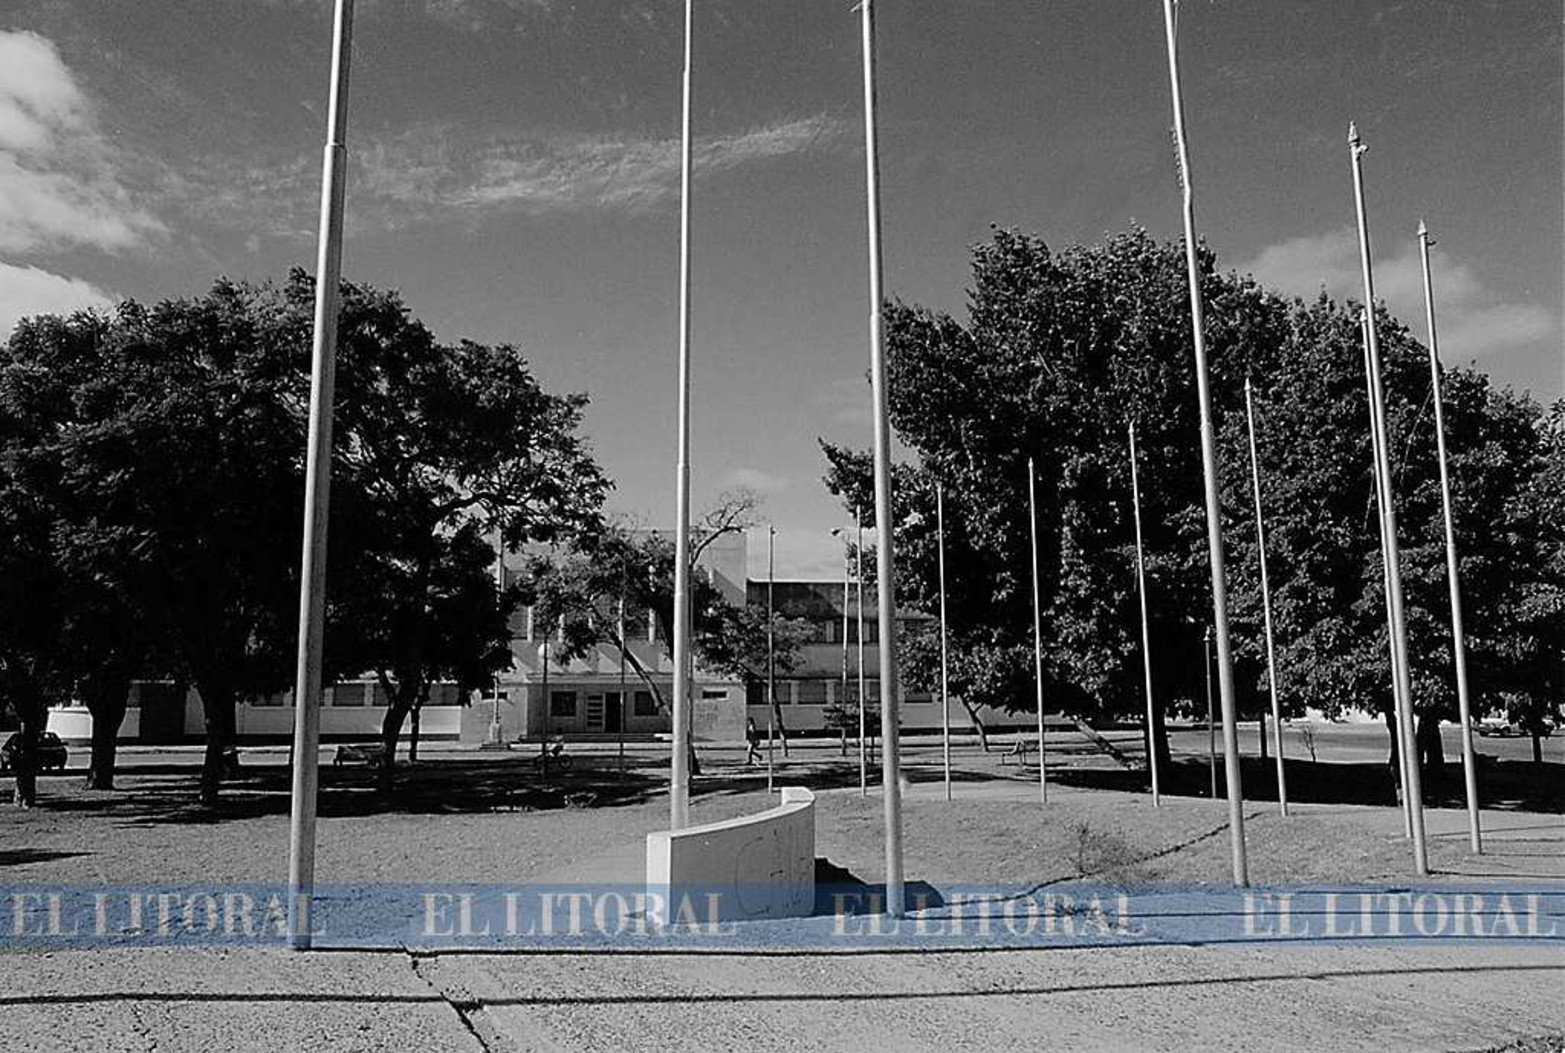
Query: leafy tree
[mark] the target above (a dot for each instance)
(168, 460)
(1060, 351)
(436, 447)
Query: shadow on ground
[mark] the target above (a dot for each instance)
(1502, 785)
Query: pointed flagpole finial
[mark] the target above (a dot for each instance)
(1353, 133)
(1423, 231)
(1246, 385)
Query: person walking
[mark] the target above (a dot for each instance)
(752, 736)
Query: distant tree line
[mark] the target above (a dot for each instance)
(1062, 350)
(151, 487)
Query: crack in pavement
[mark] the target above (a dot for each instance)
(467, 1006)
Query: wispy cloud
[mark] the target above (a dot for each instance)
(59, 186)
(439, 172)
(28, 291)
(572, 173)
(1473, 319)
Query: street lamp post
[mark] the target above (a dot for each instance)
(1356, 150)
(1453, 578)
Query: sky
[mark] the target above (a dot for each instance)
(514, 173)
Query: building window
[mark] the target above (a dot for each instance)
(562, 704)
(645, 706)
(810, 692)
(714, 694)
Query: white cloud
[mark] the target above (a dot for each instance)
(1472, 319)
(58, 186)
(28, 291)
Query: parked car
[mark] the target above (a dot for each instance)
(51, 752)
(1496, 726)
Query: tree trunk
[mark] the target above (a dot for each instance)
(105, 698)
(978, 725)
(217, 710)
(1261, 723)
(1430, 748)
(32, 714)
(1537, 745)
(1393, 757)
(416, 723)
(399, 703)
(1160, 738)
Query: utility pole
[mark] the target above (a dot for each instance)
(1453, 577)
(317, 486)
(1266, 604)
(1146, 636)
(1214, 523)
(1415, 795)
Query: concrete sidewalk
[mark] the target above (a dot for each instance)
(1385, 999)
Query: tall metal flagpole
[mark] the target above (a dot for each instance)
(847, 569)
(858, 607)
(885, 563)
(1214, 526)
(679, 788)
(1459, 645)
(945, 693)
(771, 665)
(1266, 603)
(1146, 637)
(317, 486)
(1393, 559)
(1385, 582)
(1037, 633)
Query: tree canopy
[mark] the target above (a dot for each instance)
(151, 486)
(1062, 350)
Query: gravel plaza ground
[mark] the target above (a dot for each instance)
(465, 816)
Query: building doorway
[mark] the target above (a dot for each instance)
(613, 712)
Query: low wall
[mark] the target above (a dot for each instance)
(756, 866)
